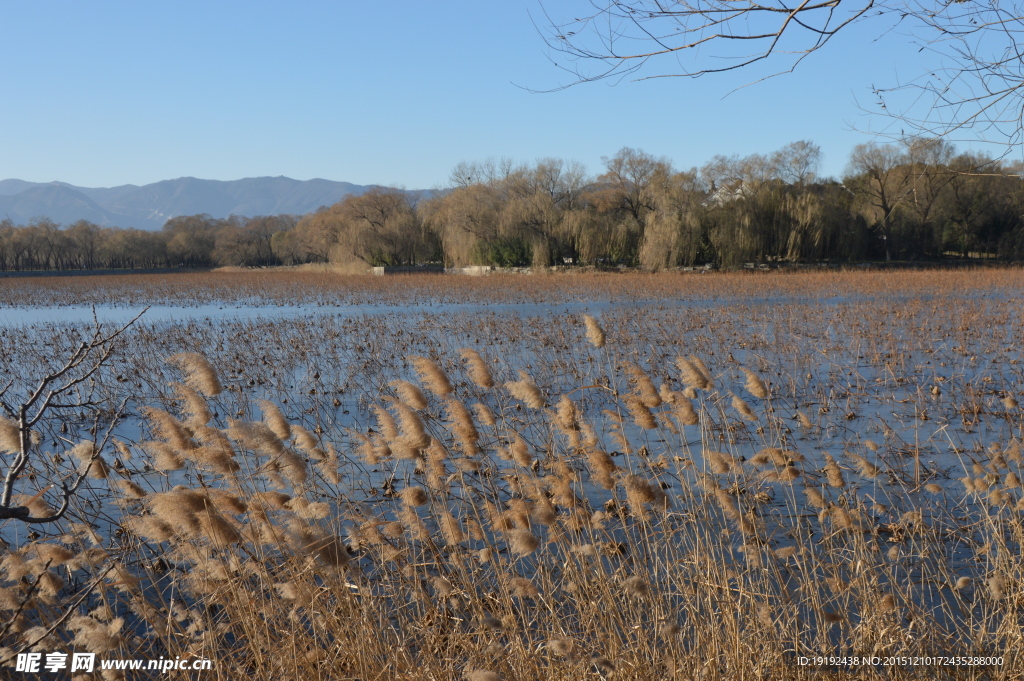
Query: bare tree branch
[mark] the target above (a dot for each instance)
(977, 87)
(81, 366)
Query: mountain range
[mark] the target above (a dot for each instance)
(150, 206)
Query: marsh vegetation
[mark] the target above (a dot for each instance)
(606, 476)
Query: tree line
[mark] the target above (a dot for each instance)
(916, 200)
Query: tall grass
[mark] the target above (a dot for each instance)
(284, 286)
(544, 505)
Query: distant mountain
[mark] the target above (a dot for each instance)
(61, 204)
(151, 205)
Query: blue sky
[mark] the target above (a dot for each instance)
(107, 93)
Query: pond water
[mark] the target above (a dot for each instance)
(914, 383)
(909, 398)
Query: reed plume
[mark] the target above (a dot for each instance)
(436, 472)
(526, 391)
(784, 552)
(567, 415)
(864, 467)
(479, 372)
(413, 433)
(789, 474)
(595, 334)
(129, 489)
(463, 427)
(256, 436)
(743, 408)
(754, 385)
(484, 413)
(637, 586)
(602, 468)
(216, 528)
(432, 376)
(273, 499)
(89, 459)
(386, 423)
(216, 454)
(53, 554)
(329, 465)
(843, 518)
(562, 492)
(543, 511)
(691, 375)
(226, 502)
(450, 529)
(720, 462)
(815, 499)
(639, 493)
(833, 473)
(164, 456)
(94, 636)
(293, 466)
(36, 504)
(414, 496)
(414, 524)
(805, 422)
(1013, 452)
(643, 385)
(305, 441)
(196, 408)
(522, 542)
(179, 508)
(199, 372)
(168, 428)
(410, 394)
(728, 504)
(521, 587)
(669, 630)
(275, 419)
(699, 363)
(684, 412)
(520, 452)
(641, 414)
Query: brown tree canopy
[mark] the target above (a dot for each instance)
(913, 200)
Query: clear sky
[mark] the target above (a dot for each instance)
(106, 93)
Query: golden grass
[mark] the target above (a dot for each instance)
(478, 515)
(290, 286)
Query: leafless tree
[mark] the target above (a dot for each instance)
(884, 182)
(631, 174)
(57, 392)
(930, 171)
(977, 84)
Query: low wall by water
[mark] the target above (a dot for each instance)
(409, 269)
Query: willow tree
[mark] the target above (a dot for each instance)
(464, 219)
(675, 230)
(380, 227)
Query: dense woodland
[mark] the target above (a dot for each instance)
(917, 200)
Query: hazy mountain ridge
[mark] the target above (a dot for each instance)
(150, 206)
